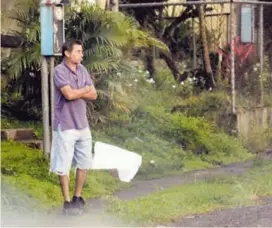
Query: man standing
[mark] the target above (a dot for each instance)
(72, 140)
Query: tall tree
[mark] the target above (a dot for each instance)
(205, 47)
(153, 18)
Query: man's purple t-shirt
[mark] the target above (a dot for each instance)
(70, 114)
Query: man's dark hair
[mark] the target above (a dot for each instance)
(68, 45)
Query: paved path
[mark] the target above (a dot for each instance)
(252, 216)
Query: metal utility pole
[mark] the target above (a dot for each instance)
(261, 51)
(52, 94)
(194, 45)
(45, 107)
(115, 5)
(232, 37)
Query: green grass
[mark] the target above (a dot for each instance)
(172, 204)
(26, 169)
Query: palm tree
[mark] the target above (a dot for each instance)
(22, 65)
(106, 35)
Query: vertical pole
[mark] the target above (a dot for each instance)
(107, 5)
(261, 52)
(45, 107)
(194, 44)
(115, 5)
(232, 37)
(52, 92)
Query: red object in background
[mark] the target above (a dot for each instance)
(241, 50)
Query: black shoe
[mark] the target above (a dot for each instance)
(78, 203)
(67, 206)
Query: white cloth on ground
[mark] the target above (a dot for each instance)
(108, 156)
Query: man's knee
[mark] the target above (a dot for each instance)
(82, 170)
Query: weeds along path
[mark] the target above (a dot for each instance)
(145, 187)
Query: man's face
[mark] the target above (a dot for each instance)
(76, 55)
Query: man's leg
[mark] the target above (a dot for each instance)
(82, 161)
(62, 153)
(64, 184)
(81, 175)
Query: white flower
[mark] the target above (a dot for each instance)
(255, 69)
(194, 78)
(147, 72)
(210, 89)
(130, 85)
(118, 74)
(76, 7)
(182, 83)
(136, 80)
(151, 80)
(174, 86)
(152, 162)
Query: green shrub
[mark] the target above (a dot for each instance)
(205, 104)
(213, 106)
(199, 136)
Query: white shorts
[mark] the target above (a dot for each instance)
(71, 148)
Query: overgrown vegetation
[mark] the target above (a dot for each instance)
(164, 207)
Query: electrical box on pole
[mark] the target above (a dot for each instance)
(52, 26)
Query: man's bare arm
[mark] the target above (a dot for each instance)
(91, 95)
(72, 94)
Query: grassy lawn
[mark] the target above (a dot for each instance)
(26, 169)
(172, 204)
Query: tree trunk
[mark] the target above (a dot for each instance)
(149, 62)
(206, 58)
(171, 64)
